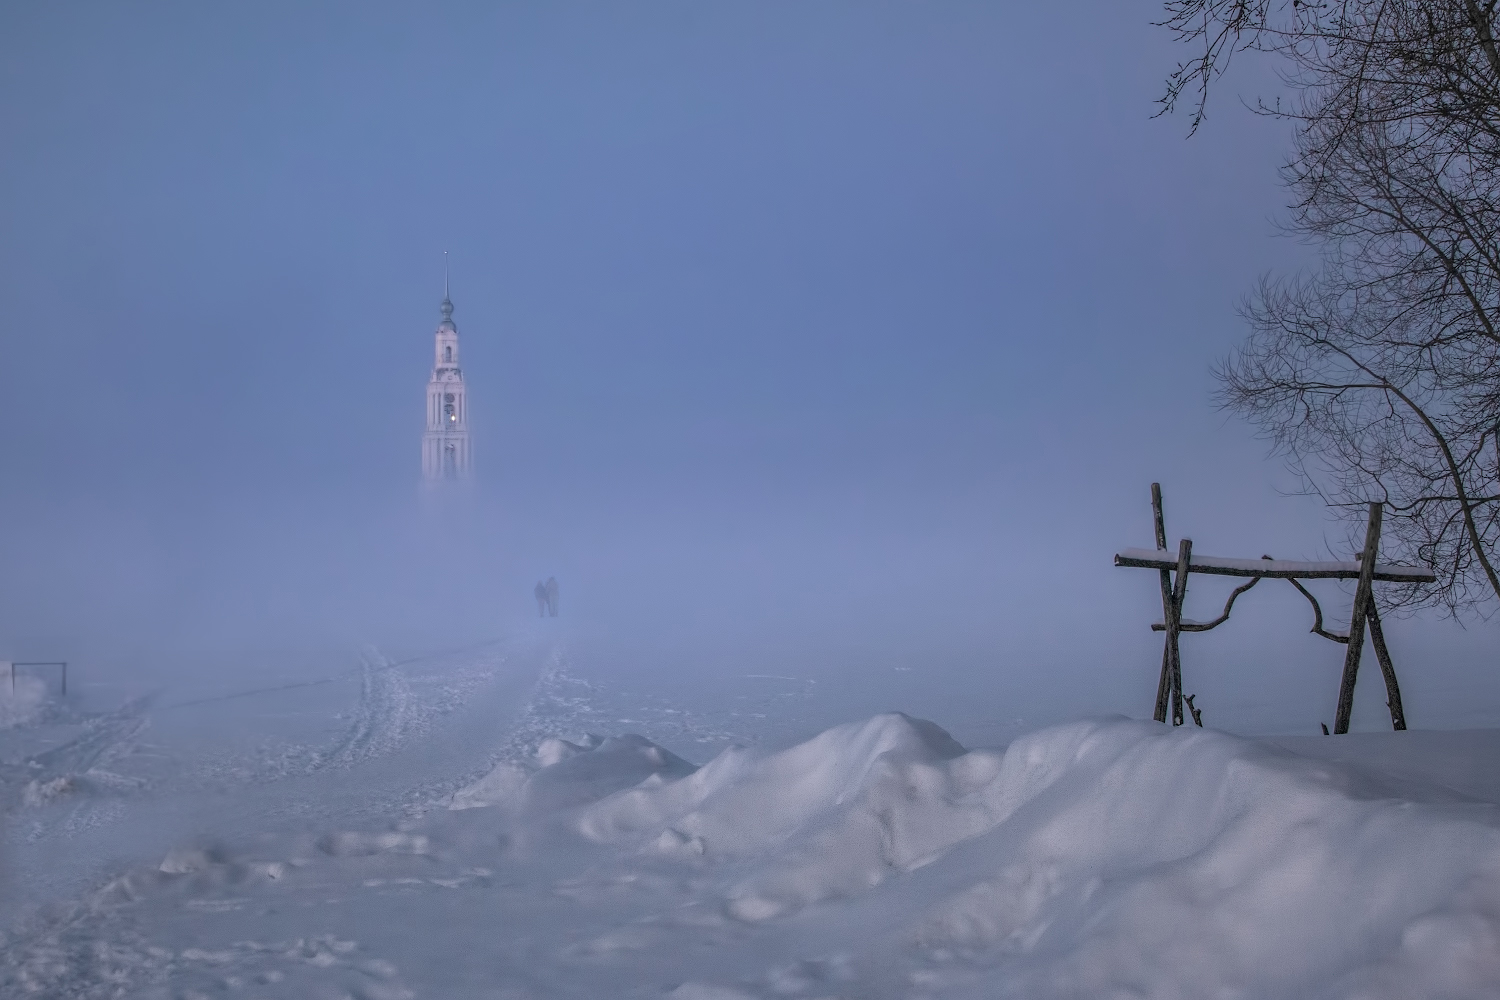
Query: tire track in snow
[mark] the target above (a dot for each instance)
(381, 722)
(380, 754)
(66, 791)
(381, 719)
(61, 770)
(104, 737)
(393, 712)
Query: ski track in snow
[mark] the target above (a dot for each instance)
(411, 738)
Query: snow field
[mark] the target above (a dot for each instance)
(879, 859)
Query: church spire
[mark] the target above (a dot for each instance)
(447, 306)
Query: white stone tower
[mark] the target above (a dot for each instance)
(446, 453)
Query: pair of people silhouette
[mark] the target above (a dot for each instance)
(546, 597)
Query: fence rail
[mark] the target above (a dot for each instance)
(1276, 569)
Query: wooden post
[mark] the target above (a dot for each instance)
(1362, 601)
(1387, 668)
(1174, 625)
(1163, 686)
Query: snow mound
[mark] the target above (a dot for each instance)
(1135, 857)
(184, 860)
(570, 775)
(502, 786)
(840, 811)
(1100, 858)
(213, 863)
(39, 792)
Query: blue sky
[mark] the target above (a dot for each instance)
(863, 326)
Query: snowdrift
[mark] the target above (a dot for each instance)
(1108, 857)
(880, 859)
(569, 774)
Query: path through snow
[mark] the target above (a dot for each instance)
(82, 794)
(879, 859)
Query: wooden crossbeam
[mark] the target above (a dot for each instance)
(1279, 569)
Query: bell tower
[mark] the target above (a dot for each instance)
(445, 446)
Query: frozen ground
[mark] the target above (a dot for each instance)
(485, 824)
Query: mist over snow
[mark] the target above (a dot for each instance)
(824, 355)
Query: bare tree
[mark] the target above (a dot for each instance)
(1378, 374)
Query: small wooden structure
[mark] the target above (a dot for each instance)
(40, 663)
(1174, 576)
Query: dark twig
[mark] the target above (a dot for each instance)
(1197, 712)
(1317, 615)
(1208, 626)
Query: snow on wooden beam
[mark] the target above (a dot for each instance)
(1283, 569)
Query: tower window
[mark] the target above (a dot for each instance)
(448, 353)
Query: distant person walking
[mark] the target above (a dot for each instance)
(551, 589)
(542, 600)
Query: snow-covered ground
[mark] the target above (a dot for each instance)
(486, 824)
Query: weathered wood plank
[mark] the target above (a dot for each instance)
(1281, 569)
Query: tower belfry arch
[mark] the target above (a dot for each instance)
(446, 450)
